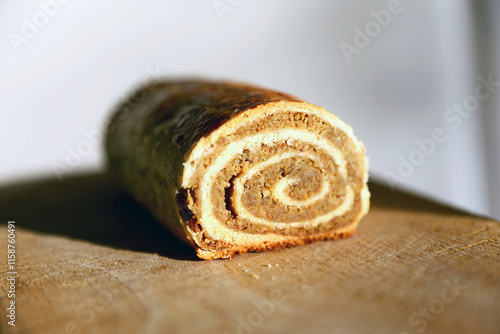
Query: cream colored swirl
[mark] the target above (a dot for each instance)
(289, 136)
(254, 142)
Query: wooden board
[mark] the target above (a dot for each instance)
(91, 261)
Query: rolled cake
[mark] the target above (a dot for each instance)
(232, 168)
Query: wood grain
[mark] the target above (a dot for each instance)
(93, 261)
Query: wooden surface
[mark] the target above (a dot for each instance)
(91, 261)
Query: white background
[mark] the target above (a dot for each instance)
(61, 81)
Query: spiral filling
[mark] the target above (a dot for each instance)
(285, 173)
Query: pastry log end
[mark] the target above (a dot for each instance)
(233, 168)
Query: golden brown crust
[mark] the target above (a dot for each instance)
(293, 242)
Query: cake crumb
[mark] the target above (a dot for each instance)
(255, 276)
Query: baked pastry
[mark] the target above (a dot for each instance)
(232, 168)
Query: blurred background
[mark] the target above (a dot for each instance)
(417, 80)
